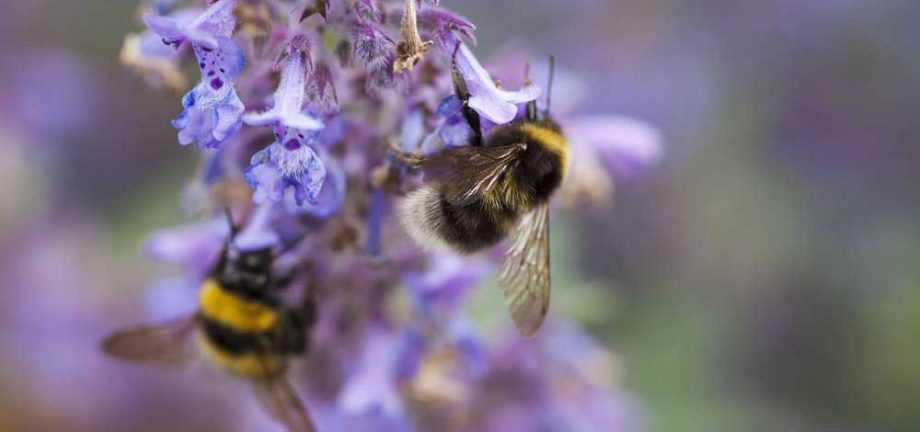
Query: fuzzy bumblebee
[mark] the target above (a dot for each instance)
(241, 326)
(496, 187)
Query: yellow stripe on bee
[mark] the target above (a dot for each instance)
(233, 311)
(249, 365)
(553, 141)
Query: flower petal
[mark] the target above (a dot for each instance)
(498, 106)
(624, 145)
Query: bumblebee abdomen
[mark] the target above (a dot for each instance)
(228, 308)
(432, 221)
(246, 337)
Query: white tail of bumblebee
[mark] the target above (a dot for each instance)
(421, 216)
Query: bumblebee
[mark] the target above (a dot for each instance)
(241, 326)
(496, 187)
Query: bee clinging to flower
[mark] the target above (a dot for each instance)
(497, 186)
(241, 326)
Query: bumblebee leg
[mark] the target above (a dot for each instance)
(463, 93)
(412, 160)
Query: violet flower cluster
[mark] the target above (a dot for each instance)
(296, 114)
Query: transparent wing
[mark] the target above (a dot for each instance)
(280, 400)
(524, 274)
(164, 344)
(277, 396)
(464, 174)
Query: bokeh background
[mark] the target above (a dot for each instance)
(764, 276)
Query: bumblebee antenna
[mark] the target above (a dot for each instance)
(549, 84)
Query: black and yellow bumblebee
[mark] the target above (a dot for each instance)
(497, 186)
(242, 327)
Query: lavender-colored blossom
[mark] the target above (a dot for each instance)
(288, 108)
(452, 129)
(494, 104)
(331, 195)
(211, 110)
(258, 233)
(624, 145)
(158, 63)
(443, 286)
(372, 388)
(291, 163)
(195, 246)
(442, 24)
(376, 51)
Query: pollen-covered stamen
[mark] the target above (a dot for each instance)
(411, 48)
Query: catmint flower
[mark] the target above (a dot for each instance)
(494, 104)
(374, 49)
(452, 129)
(158, 63)
(193, 246)
(411, 48)
(442, 24)
(291, 162)
(211, 110)
(288, 108)
(258, 233)
(372, 386)
(624, 146)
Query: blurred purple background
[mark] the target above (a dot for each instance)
(763, 277)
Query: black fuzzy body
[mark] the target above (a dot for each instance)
(530, 181)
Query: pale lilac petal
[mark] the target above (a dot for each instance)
(218, 20)
(258, 233)
(194, 246)
(371, 387)
(289, 100)
(498, 106)
(624, 145)
(228, 117)
(168, 29)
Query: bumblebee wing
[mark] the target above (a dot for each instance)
(165, 344)
(524, 275)
(277, 396)
(464, 174)
(280, 400)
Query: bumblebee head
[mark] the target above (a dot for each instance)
(245, 269)
(247, 272)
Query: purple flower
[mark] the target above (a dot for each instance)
(375, 50)
(496, 105)
(441, 288)
(452, 129)
(258, 233)
(371, 388)
(289, 162)
(287, 110)
(330, 197)
(156, 62)
(211, 110)
(193, 246)
(624, 146)
(442, 24)
(215, 23)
